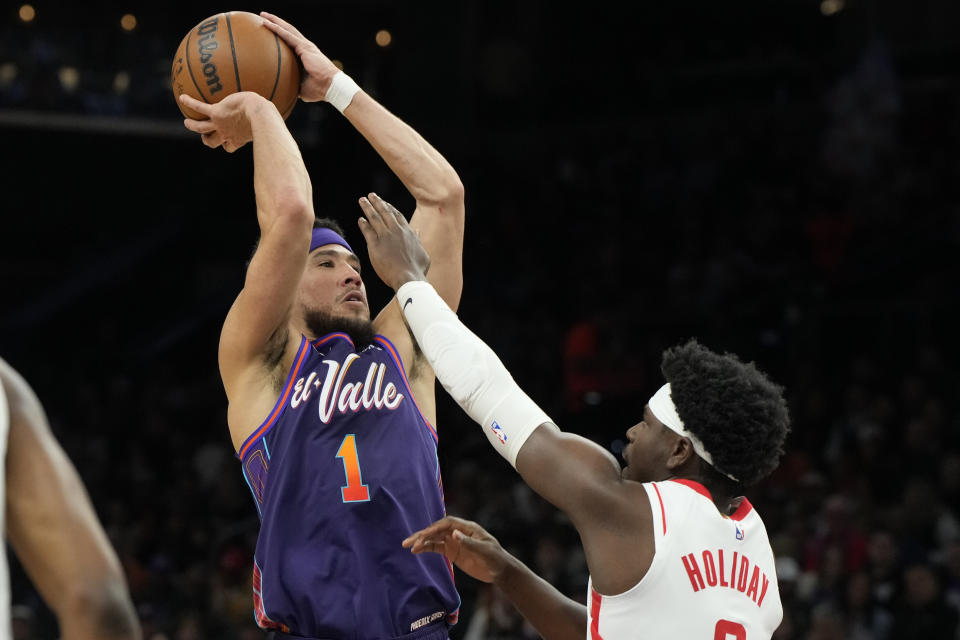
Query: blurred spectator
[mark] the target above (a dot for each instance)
(951, 573)
(866, 620)
(923, 613)
(883, 566)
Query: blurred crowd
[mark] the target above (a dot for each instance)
(45, 65)
(818, 239)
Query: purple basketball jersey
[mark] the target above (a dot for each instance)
(343, 469)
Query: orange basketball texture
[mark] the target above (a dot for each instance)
(230, 52)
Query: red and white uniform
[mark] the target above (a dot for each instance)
(712, 578)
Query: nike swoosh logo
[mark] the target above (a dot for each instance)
(409, 300)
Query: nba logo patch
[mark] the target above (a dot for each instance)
(739, 531)
(498, 431)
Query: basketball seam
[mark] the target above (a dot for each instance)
(276, 80)
(289, 108)
(233, 51)
(190, 69)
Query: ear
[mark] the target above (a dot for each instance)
(681, 454)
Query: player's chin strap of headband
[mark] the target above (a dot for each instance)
(661, 405)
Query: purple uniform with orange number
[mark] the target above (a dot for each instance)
(343, 469)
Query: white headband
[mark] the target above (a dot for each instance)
(661, 405)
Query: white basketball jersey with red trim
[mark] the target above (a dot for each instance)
(712, 577)
(5, 631)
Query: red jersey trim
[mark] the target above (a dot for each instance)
(259, 610)
(742, 511)
(595, 600)
(663, 513)
(452, 618)
(696, 486)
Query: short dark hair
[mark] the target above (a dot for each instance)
(738, 413)
(318, 223)
(329, 223)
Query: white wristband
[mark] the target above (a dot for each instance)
(341, 91)
(470, 371)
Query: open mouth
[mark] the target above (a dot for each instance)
(356, 296)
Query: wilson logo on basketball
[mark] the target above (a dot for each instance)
(231, 52)
(207, 44)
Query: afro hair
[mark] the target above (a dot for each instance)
(738, 413)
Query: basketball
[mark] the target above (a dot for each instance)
(230, 52)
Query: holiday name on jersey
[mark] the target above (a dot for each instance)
(349, 397)
(715, 573)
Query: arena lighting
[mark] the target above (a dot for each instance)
(27, 13)
(830, 7)
(121, 82)
(383, 37)
(128, 22)
(8, 73)
(69, 78)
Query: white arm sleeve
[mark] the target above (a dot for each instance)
(470, 371)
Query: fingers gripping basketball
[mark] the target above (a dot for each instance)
(231, 52)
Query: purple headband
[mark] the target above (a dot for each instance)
(323, 235)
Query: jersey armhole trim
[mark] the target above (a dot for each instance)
(663, 512)
(261, 431)
(596, 599)
(319, 342)
(384, 342)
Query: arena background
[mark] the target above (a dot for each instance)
(776, 178)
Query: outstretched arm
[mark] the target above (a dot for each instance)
(439, 214)
(479, 555)
(576, 475)
(254, 328)
(426, 174)
(54, 530)
(571, 472)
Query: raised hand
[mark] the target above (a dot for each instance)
(228, 121)
(395, 250)
(317, 67)
(464, 543)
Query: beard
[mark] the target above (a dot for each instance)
(320, 323)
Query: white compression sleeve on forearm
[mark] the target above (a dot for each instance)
(470, 371)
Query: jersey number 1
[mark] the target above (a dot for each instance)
(355, 490)
(727, 630)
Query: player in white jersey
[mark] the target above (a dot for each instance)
(673, 547)
(53, 529)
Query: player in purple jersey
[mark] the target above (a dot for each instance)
(331, 414)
